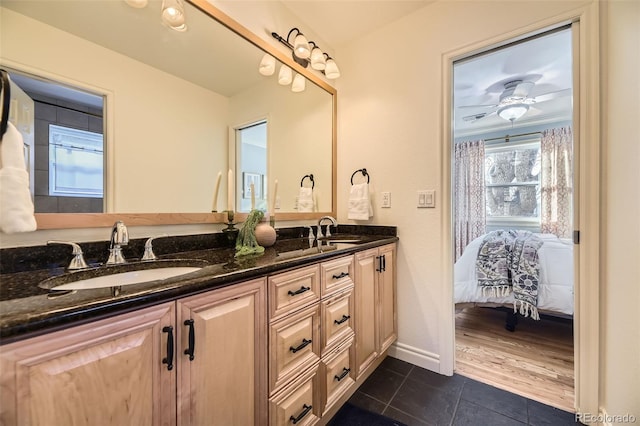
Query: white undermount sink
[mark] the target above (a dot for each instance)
(127, 278)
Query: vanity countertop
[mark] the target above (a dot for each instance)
(27, 310)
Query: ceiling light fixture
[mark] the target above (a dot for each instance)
(173, 14)
(307, 52)
(512, 112)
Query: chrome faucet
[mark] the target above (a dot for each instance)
(119, 237)
(148, 248)
(334, 222)
(78, 260)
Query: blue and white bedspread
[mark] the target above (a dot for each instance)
(530, 271)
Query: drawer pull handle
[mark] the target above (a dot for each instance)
(192, 340)
(341, 275)
(169, 359)
(303, 345)
(300, 291)
(343, 319)
(305, 411)
(344, 373)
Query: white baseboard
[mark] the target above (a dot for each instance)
(415, 356)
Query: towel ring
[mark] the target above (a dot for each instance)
(6, 102)
(310, 176)
(364, 173)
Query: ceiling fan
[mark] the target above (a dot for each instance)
(514, 101)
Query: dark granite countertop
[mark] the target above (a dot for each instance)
(27, 309)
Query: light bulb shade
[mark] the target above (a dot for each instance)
(285, 75)
(513, 112)
(298, 83)
(267, 65)
(318, 61)
(331, 69)
(138, 4)
(173, 14)
(301, 46)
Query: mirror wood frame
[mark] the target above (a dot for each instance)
(94, 220)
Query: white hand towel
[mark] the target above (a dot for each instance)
(305, 200)
(16, 206)
(359, 202)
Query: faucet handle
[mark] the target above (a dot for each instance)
(78, 261)
(148, 248)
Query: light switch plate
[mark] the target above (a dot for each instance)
(427, 198)
(386, 199)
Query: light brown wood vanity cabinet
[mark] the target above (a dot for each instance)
(285, 349)
(119, 371)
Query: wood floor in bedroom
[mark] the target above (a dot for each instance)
(535, 361)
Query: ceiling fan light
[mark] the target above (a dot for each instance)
(267, 65)
(298, 83)
(331, 70)
(318, 61)
(285, 75)
(301, 46)
(513, 112)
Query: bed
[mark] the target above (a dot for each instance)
(555, 285)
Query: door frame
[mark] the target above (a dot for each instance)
(586, 130)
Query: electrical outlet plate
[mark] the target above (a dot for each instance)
(427, 198)
(386, 199)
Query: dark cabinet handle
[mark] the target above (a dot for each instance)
(302, 290)
(192, 340)
(384, 262)
(169, 359)
(306, 409)
(343, 319)
(342, 275)
(303, 345)
(344, 373)
(379, 259)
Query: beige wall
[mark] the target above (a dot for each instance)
(620, 350)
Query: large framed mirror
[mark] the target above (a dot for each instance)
(176, 106)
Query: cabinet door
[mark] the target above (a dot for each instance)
(366, 281)
(224, 382)
(388, 328)
(108, 372)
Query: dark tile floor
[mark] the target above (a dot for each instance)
(415, 396)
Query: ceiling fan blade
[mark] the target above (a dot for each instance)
(475, 117)
(477, 106)
(553, 95)
(523, 89)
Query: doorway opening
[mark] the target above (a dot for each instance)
(513, 204)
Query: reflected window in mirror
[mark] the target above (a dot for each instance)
(66, 127)
(251, 163)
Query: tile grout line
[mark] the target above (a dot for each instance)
(398, 390)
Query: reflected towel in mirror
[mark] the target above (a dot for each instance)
(305, 200)
(16, 206)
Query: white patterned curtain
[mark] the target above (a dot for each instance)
(556, 185)
(469, 193)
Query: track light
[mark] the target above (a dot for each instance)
(305, 52)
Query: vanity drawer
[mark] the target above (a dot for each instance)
(297, 402)
(336, 275)
(337, 319)
(294, 345)
(337, 374)
(291, 290)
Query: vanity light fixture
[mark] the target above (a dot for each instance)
(285, 76)
(267, 65)
(138, 4)
(298, 83)
(307, 52)
(173, 14)
(512, 112)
